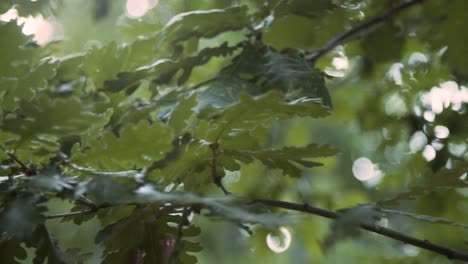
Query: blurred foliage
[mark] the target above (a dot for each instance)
(135, 123)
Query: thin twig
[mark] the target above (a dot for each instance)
(23, 168)
(214, 166)
(427, 218)
(74, 213)
(363, 26)
(425, 244)
(86, 201)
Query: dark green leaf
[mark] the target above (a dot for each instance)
(347, 224)
(144, 230)
(162, 71)
(47, 247)
(444, 178)
(11, 251)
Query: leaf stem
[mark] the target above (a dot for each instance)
(23, 168)
(214, 166)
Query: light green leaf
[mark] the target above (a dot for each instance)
(162, 71)
(209, 24)
(103, 63)
(252, 112)
(34, 128)
(182, 113)
(288, 159)
(15, 58)
(137, 146)
(188, 162)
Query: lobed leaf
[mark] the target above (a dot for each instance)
(252, 112)
(137, 146)
(443, 179)
(288, 159)
(163, 71)
(209, 23)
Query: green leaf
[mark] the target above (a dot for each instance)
(146, 230)
(304, 8)
(347, 224)
(444, 178)
(15, 58)
(257, 70)
(47, 247)
(136, 146)
(11, 250)
(252, 112)
(224, 91)
(44, 116)
(162, 71)
(105, 190)
(188, 162)
(296, 76)
(25, 87)
(104, 63)
(384, 44)
(444, 31)
(288, 159)
(182, 114)
(209, 24)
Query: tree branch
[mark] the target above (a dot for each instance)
(306, 208)
(365, 25)
(74, 213)
(425, 244)
(23, 168)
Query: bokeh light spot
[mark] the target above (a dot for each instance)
(441, 131)
(365, 170)
(137, 8)
(429, 153)
(280, 240)
(417, 141)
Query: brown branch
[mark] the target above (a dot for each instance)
(74, 213)
(306, 208)
(23, 168)
(214, 168)
(425, 244)
(365, 25)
